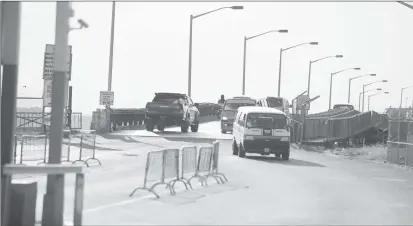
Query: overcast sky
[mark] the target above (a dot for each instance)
(151, 50)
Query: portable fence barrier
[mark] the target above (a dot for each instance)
(30, 148)
(181, 165)
(400, 142)
(85, 140)
(161, 166)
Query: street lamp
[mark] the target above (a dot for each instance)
(192, 17)
(362, 93)
(281, 56)
(368, 99)
(365, 85)
(309, 70)
(331, 81)
(245, 52)
(354, 78)
(401, 95)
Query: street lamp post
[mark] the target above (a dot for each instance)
(309, 69)
(331, 81)
(192, 17)
(280, 64)
(361, 93)
(368, 84)
(368, 99)
(354, 78)
(245, 52)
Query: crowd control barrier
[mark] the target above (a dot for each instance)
(85, 140)
(161, 166)
(30, 148)
(168, 166)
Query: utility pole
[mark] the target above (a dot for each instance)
(53, 207)
(10, 48)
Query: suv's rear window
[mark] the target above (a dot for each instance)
(166, 99)
(266, 120)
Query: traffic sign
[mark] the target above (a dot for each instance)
(47, 93)
(49, 62)
(106, 98)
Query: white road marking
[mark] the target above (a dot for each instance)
(389, 179)
(117, 204)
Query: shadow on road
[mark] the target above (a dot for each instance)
(291, 162)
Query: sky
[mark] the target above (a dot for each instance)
(152, 41)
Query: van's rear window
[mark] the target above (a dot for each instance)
(275, 102)
(266, 120)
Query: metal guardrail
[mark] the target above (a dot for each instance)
(32, 122)
(168, 166)
(54, 169)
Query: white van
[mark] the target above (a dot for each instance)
(275, 102)
(261, 130)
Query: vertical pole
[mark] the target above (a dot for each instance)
(10, 56)
(54, 198)
(112, 39)
(243, 65)
(69, 110)
(279, 73)
(399, 125)
(362, 103)
(349, 90)
(1, 78)
(331, 87)
(368, 103)
(309, 79)
(191, 18)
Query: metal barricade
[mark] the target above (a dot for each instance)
(86, 141)
(204, 165)
(188, 167)
(214, 165)
(160, 166)
(30, 148)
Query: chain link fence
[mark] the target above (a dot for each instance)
(400, 142)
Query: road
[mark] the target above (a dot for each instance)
(310, 188)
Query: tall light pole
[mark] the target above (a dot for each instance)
(191, 19)
(331, 81)
(112, 41)
(309, 69)
(280, 64)
(368, 84)
(245, 52)
(361, 93)
(354, 78)
(368, 99)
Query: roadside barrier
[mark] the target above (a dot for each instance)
(86, 142)
(181, 165)
(400, 142)
(161, 166)
(30, 148)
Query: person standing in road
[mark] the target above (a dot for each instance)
(222, 100)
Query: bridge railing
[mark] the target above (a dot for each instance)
(32, 122)
(334, 128)
(129, 118)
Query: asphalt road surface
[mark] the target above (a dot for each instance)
(310, 188)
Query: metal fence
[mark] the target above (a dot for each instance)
(168, 166)
(85, 140)
(400, 142)
(35, 148)
(30, 148)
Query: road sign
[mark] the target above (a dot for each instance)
(49, 62)
(301, 102)
(47, 93)
(106, 98)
